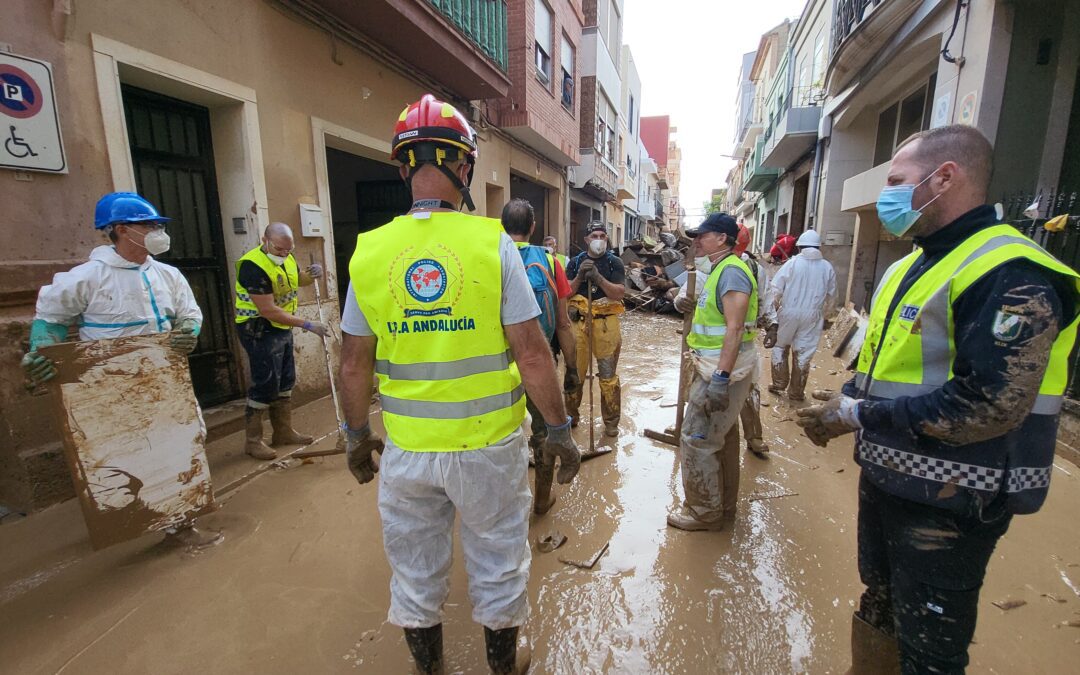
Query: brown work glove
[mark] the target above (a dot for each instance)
(359, 445)
(559, 444)
(684, 304)
(770, 336)
(836, 417)
(570, 381)
(587, 269)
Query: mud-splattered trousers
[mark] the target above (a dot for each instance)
(796, 341)
(923, 568)
(751, 416)
(419, 495)
(710, 451)
(270, 353)
(606, 335)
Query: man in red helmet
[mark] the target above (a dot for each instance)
(440, 309)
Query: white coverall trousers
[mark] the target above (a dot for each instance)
(798, 334)
(419, 493)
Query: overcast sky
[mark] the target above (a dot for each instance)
(688, 54)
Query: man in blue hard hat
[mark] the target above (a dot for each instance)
(121, 291)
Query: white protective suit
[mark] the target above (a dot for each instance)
(112, 297)
(803, 293)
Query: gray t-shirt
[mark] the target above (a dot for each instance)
(518, 300)
(732, 279)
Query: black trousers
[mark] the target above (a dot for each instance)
(923, 568)
(270, 353)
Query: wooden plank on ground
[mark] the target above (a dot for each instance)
(133, 435)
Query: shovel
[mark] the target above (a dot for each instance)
(688, 320)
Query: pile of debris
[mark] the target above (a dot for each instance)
(654, 271)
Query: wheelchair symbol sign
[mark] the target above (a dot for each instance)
(30, 137)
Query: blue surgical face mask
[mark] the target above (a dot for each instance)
(894, 207)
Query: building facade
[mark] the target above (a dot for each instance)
(288, 111)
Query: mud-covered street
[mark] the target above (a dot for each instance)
(300, 582)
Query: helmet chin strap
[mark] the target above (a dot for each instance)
(437, 157)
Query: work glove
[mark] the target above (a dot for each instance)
(184, 336)
(559, 444)
(314, 270)
(320, 329)
(573, 313)
(586, 269)
(836, 417)
(359, 444)
(684, 304)
(717, 396)
(38, 368)
(570, 381)
(770, 336)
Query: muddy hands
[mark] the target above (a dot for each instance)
(836, 417)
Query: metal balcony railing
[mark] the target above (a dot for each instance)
(807, 97)
(482, 21)
(847, 15)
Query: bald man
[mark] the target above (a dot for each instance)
(267, 278)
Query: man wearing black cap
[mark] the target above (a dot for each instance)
(599, 273)
(725, 363)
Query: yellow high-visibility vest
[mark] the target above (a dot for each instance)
(430, 288)
(285, 279)
(914, 354)
(709, 327)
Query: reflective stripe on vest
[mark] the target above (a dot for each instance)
(972, 476)
(709, 328)
(917, 350)
(431, 291)
(285, 279)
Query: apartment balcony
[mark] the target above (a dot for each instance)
(758, 178)
(627, 182)
(752, 126)
(461, 44)
(596, 176)
(596, 62)
(794, 134)
(860, 29)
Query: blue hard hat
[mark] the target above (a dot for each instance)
(125, 207)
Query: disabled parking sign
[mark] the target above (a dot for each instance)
(29, 121)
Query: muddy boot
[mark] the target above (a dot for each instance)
(188, 536)
(873, 652)
(758, 447)
(503, 656)
(796, 389)
(683, 520)
(780, 375)
(425, 645)
(543, 499)
(281, 421)
(611, 430)
(253, 443)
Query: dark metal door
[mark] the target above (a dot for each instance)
(174, 168)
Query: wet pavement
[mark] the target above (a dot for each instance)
(300, 583)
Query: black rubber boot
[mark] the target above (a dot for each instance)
(425, 645)
(502, 656)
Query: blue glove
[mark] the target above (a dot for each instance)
(559, 444)
(717, 396)
(38, 368)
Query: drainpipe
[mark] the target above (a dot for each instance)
(815, 175)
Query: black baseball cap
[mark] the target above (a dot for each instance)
(595, 226)
(720, 223)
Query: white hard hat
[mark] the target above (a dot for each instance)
(808, 238)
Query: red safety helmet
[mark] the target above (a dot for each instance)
(433, 132)
(432, 120)
(742, 240)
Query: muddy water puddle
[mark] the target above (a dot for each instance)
(300, 583)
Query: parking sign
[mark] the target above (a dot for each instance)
(29, 121)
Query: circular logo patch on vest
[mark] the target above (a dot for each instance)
(426, 280)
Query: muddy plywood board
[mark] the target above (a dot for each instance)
(133, 435)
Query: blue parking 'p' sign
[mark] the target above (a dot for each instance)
(20, 95)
